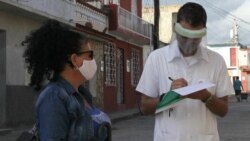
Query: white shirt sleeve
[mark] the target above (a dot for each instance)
(149, 84)
(224, 85)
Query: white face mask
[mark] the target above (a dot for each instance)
(88, 68)
(188, 46)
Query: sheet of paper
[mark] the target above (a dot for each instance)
(193, 88)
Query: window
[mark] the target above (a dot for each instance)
(135, 67)
(109, 62)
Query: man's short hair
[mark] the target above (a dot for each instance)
(192, 13)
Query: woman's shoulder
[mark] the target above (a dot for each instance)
(52, 92)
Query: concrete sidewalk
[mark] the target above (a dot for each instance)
(12, 134)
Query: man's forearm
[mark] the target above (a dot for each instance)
(218, 106)
(148, 105)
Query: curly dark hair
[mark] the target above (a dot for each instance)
(193, 14)
(48, 49)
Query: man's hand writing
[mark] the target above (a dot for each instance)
(178, 83)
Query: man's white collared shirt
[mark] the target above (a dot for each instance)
(191, 120)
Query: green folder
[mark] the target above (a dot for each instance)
(172, 98)
(169, 100)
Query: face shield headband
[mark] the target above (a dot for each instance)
(190, 33)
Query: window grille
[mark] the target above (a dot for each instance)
(135, 67)
(110, 67)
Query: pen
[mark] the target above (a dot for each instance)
(170, 78)
(171, 109)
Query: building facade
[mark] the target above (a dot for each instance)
(117, 45)
(237, 58)
(168, 16)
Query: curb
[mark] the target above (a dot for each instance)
(5, 131)
(123, 115)
(115, 120)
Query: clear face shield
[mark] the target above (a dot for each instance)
(189, 40)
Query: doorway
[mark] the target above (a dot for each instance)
(3, 77)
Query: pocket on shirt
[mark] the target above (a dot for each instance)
(165, 136)
(207, 137)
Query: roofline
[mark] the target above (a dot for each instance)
(227, 44)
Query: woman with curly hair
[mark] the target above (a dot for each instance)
(62, 60)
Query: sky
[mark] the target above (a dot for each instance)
(221, 15)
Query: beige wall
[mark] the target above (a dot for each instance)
(96, 83)
(166, 20)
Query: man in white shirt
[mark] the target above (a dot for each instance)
(187, 62)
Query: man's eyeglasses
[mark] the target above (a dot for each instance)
(90, 52)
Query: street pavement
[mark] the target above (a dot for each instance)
(236, 125)
(132, 127)
(139, 128)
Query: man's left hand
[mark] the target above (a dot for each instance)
(201, 95)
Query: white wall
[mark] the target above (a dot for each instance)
(63, 9)
(242, 57)
(16, 27)
(166, 20)
(146, 51)
(224, 52)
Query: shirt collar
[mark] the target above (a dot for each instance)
(71, 91)
(174, 52)
(66, 85)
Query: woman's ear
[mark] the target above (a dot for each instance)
(74, 59)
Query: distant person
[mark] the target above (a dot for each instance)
(237, 88)
(187, 61)
(60, 60)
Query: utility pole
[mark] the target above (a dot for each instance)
(235, 33)
(156, 24)
(236, 43)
